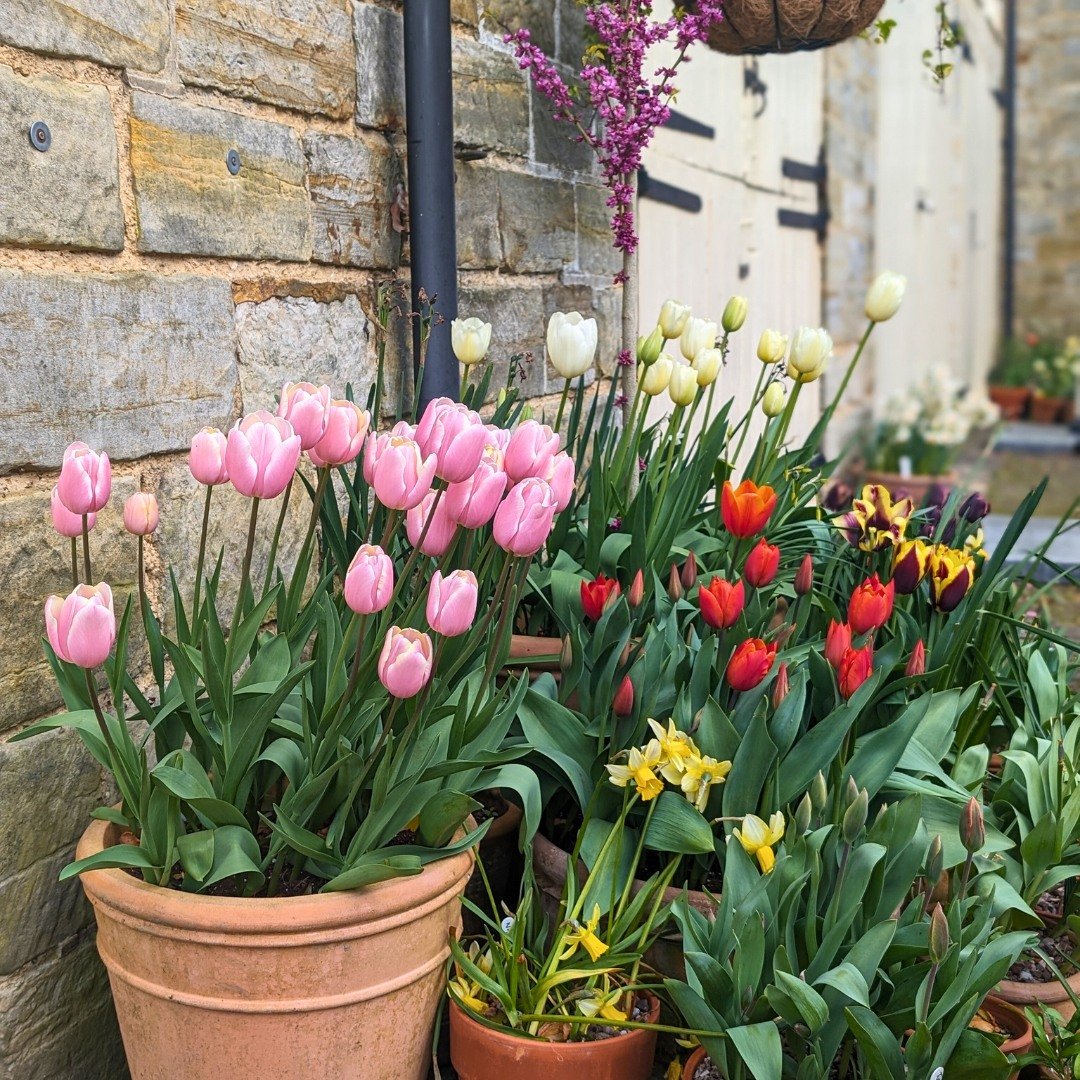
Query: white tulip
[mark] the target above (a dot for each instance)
(697, 334)
(884, 296)
(682, 382)
(653, 379)
(470, 339)
(571, 343)
(673, 316)
(707, 364)
(774, 399)
(810, 352)
(771, 347)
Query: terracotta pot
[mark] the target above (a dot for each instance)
(549, 868)
(1011, 400)
(1024, 994)
(781, 26)
(540, 653)
(501, 857)
(692, 1063)
(340, 986)
(1010, 1018)
(1047, 410)
(482, 1053)
(915, 487)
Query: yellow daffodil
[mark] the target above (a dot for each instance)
(586, 937)
(701, 773)
(676, 748)
(973, 545)
(602, 1002)
(641, 769)
(874, 521)
(466, 990)
(757, 838)
(674, 1070)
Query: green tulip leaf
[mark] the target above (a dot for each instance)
(678, 828)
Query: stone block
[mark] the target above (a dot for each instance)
(131, 363)
(465, 11)
(518, 318)
(476, 191)
(36, 561)
(555, 142)
(189, 203)
(380, 66)
(68, 196)
(536, 16)
(353, 184)
(294, 53)
(596, 255)
(571, 32)
(120, 33)
(491, 107)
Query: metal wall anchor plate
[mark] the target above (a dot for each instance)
(232, 161)
(40, 136)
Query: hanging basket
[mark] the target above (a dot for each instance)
(782, 26)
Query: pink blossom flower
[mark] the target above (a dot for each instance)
(307, 408)
(85, 479)
(207, 458)
(141, 513)
(346, 428)
(530, 450)
(473, 502)
(523, 521)
(397, 470)
(405, 661)
(82, 626)
(439, 534)
(261, 454)
(560, 475)
(455, 435)
(65, 522)
(369, 581)
(451, 602)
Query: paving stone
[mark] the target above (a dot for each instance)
(189, 203)
(68, 196)
(353, 184)
(1064, 551)
(491, 107)
(380, 66)
(295, 53)
(131, 363)
(121, 33)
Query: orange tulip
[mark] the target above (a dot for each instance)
(721, 602)
(751, 661)
(871, 605)
(597, 596)
(856, 666)
(762, 564)
(837, 642)
(916, 664)
(746, 508)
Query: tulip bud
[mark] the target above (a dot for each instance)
(939, 894)
(939, 935)
(81, 627)
(935, 860)
(682, 383)
(880, 815)
(974, 508)
(707, 365)
(802, 814)
(884, 296)
(851, 792)
(470, 339)
(972, 827)
(734, 314)
(623, 703)
(571, 343)
(819, 792)
(810, 352)
(141, 513)
(653, 380)
(697, 334)
(781, 686)
(688, 574)
(637, 590)
(405, 662)
(783, 635)
(674, 588)
(855, 817)
(771, 347)
(916, 664)
(207, 458)
(774, 399)
(804, 577)
(673, 316)
(566, 654)
(65, 522)
(649, 348)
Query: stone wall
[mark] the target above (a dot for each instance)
(146, 290)
(1048, 167)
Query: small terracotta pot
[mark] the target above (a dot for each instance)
(482, 1053)
(501, 857)
(340, 986)
(914, 487)
(1047, 410)
(1024, 994)
(1011, 400)
(549, 867)
(692, 1063)
(1010, 1018)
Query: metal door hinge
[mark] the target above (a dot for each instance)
(816, 173)
(662, 192)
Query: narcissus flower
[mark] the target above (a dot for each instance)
(586, 937)
(676, 749)
(640, 770)
(911, 560)
(758, 837)
(598, 595)
(837, 642)
(722, 602)
(856, 666)
(870, 605)
(875, 522)
(751, 661)
(700, 775)
(746, 509)
(762, 564)
(602, 1003)
(952, 573)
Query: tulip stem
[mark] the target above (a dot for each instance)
(74, 563)
(562, 404)
(316, 506)
(745, 422)
(271, 559)
(195, 608)
(142, 575)
(86, 549)
(410, 562)
(850, 371)
(245, 569)
(101, 721)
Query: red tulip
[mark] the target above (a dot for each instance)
(781, 686)
(837, 642)
(916, 664)
(871, 605)
(721, 602)
(637, 590)
(746, 508)
(688, 574)
(804, 578)
(598, 595)
(762, 564)
(623, 703)
(856, 666)
(751, 661)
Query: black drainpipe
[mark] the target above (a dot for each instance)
(1008, 179)
(429, 129)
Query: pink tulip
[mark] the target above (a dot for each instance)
(261, 454)
(85, 479)
(65, 522)
(455, 435)
(497, 437)
(405, 662)
(369, 582)
(347, 427)
(141, 513)
(530, 450)
(400, 474)
(440, 532)
(473, 502)
(82, 626)
(524, 519)
(307, 408)
(207, 458)
(451, 602)
(560, 476)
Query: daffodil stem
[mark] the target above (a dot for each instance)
(628, 887)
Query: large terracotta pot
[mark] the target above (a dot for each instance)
(549, 868)
(781, 26)
(340, 986)
(538, 653)
(1024, 994)
(914, 487)
(482, 1053)
(1011, 400)
(1048, 410)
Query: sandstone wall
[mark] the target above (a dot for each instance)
(146, 290)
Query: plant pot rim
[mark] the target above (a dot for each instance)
(383, 903)
(692, 1063)
(1015, 992)
(506, 822)
(1019, 1041)
(542, 1045)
